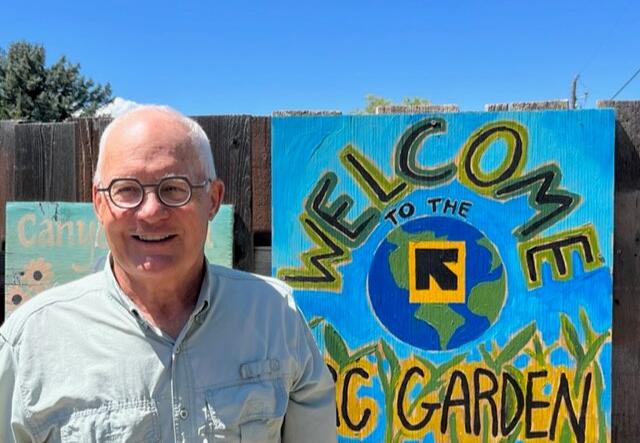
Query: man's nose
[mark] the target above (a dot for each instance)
(151, 206)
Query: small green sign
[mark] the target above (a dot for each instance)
(51, 243)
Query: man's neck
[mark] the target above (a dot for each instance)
(166, 304)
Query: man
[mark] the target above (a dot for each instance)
(161, 346)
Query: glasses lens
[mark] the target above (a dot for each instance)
(126, 193)
(174, 191)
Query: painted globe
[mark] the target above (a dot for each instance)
(434, 324)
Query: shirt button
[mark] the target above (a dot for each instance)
(183, 414)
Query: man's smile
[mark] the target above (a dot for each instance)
(153, 238)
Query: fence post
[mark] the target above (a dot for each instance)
(230, 138)
(7, 188)
(626, 272)
(87, 137)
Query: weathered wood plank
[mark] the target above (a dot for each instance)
(230, 138)
(261, 174)
(88, 132)
(262, 260)
(7, 188)
(7, 158)
(626, 273)
(45, 162)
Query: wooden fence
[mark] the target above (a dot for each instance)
(56, 161)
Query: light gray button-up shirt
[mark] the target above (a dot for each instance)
(78, 363)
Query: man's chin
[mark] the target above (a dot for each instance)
(155, 264)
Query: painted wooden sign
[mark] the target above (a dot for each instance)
(456, 270)
(49, 244)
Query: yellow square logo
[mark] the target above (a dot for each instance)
(437, 271)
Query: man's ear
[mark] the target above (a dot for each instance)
(216, 194)
(100, 204)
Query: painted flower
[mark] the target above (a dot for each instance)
(37, 274)
(16, 296)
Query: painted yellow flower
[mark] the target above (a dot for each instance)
(37, 275)
(16, 296)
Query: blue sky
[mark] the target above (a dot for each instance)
(229, 57)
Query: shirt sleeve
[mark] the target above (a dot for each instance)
(13, 428)
(311, 413)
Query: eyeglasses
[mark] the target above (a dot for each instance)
(128, 193)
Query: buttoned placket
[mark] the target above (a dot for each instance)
(181, 400)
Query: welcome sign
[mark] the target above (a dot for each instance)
(456, 269)
(51, 243)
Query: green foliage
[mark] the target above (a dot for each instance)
(571, 337)
(593, 344)
(336, 347)
(29, 90)
(373, 101)
(511, 438)
(513, 347)
(389, 383)
(539, 354)
(315, 321)
(436, 376)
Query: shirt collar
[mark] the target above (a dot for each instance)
(200, 311)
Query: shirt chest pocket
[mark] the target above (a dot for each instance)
(247, 412)
(115, 422)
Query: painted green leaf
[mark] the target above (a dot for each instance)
(487, 357)
(455, 361)
(336, 346)
(365, 350)
(589, 333)
(566, 436)
(512, 438)
(435, 375)
(550, 349)
(495, 349)
(384, 380)
(593, 350)
(515, 345)
(485, 424)
(394, 364)
(571, 338)
(510, 399)
(430, 366)
(591, 354)
(537, 345)
(533, 355)
(516, 373)
(315, 321)
(453, 430)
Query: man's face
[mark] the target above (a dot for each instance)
(154, 241)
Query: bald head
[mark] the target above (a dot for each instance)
(145, 118)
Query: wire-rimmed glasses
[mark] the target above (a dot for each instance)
(128, 193)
